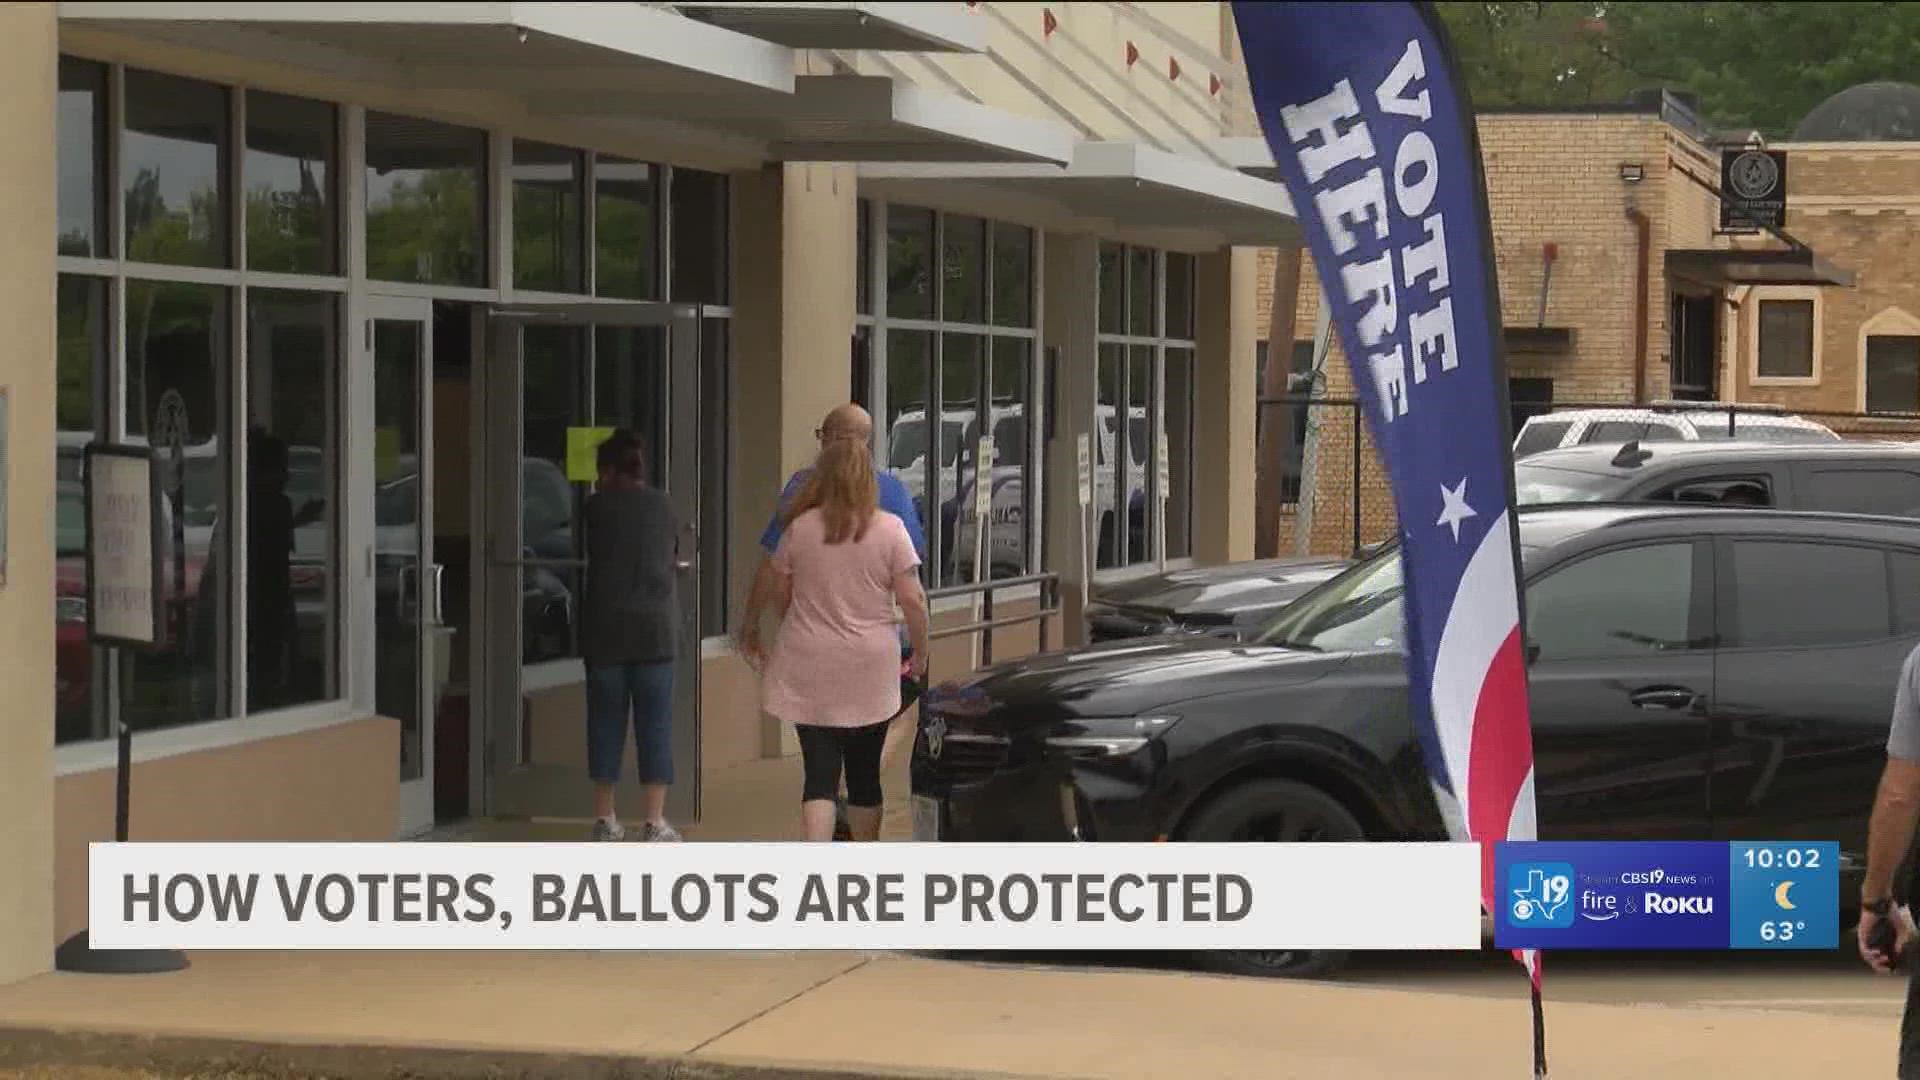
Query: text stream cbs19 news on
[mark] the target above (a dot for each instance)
(1376, 896)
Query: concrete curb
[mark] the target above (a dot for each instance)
(237, 1059)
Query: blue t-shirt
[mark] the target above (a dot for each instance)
(894, 499)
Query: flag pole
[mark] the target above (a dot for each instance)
(1539, 1032)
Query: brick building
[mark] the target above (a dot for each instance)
(1617, 287)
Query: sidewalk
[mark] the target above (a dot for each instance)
(838, 1014)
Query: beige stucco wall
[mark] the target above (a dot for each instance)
(339, 783)
(1079, 73)
(27, 65)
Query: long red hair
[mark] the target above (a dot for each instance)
(843, 488)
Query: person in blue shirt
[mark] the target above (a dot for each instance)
(848, 421)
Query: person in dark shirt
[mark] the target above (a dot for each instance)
(629, 621)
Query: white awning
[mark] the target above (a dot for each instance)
(1248, 153)
(642, 68)
(882, 27)
(1115, 187)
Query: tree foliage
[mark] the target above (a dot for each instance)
(1757, 65)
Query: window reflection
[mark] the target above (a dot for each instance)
(1140, 292)
(1178, 416)
(548, 217)
(700, 256)
(626, 228)
(176, 365)
(292, 584)
(1141, 453)
(173, 164)
(909, 263)
(1012, 275)
(81, 368)
(289, 170)
(555, 392)
(716, 429)
(958, 438)
(82, 133)
(1110, 381)
(963, 269)
(910, 442)
(1113, 290)
(426, 201)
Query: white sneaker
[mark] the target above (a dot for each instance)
(660, 834)
(604, 830)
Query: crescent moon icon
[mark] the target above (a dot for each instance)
(1781, 897)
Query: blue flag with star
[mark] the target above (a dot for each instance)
(1369, 124)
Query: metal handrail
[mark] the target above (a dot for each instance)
(1048, 610)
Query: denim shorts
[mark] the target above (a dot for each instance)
(644, 692)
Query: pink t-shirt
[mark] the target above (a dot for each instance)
(836, 662)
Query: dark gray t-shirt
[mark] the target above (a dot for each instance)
(629, 614)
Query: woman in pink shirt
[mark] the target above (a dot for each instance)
(834, 672)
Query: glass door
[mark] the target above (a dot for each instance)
(558, 377)
(410, 649)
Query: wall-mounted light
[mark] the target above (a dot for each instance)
(1633, 172)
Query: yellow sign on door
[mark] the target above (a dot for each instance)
(583, 448)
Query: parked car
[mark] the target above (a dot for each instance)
(1696, 673)
(1671, 422)
(1222, 601)
(1846, 477)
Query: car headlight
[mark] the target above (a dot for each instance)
(1114, 737)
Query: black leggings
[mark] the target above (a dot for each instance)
(823, 749)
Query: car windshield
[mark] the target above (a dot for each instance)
(1359, 611)
(1535, 483)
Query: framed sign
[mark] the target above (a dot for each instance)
(124, 584)
(1753, 188)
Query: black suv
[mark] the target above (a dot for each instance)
(1845, 477)
(1697, 673)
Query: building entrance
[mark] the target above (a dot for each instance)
(554, 379)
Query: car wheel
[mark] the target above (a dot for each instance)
(1284, 812)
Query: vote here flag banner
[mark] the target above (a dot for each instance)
(785, 896)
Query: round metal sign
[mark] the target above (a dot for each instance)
(1754, 174)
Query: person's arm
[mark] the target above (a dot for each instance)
(912, 598)
(746, 639)
(895, 499)
(1896, 808)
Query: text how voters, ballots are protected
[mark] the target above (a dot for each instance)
(1667, 895)
(784, 896)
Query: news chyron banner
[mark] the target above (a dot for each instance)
(785, 896)
(1668, 895)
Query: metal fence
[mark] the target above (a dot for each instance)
(1328, 452)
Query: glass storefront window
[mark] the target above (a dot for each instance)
(173, 170)
(716, 428)
(909, 436)
(426, 201)
(556, 398)
(177, 361)
(549, 217)
(963, 269)
(83, 338)
(863, 258)
(956, 442)
(909, 263)
(289, 180)
(1110, 379)
(1179, 296)
(1113, 290)
(699, 230)
(1140, 292)
(626, 228)
(1140, 453)
(1177, 412)
(293, 469)
(1011, 474)
(1012, 275)
(82, 134)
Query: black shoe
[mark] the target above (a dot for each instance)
(841, 829)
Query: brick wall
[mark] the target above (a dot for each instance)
(1551, 179)
(1858, 207)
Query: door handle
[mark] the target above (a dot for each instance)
(1668, 698)
(437, 592)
